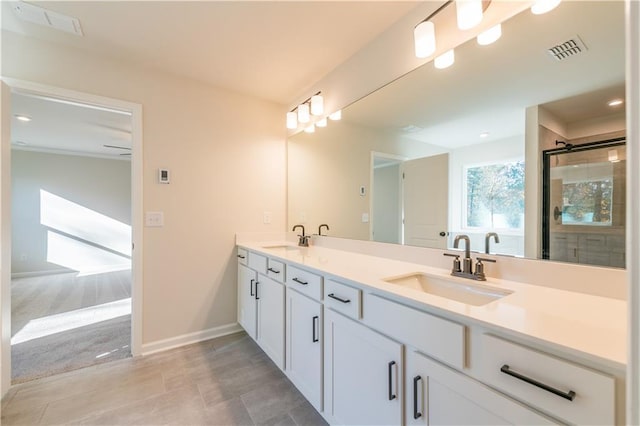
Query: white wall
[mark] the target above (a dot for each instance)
(100, 185)
(226, 152)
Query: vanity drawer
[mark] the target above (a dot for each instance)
(561, 388)
(305, 282)
(258, 262)
(434, 336)
(242, 256)
(275, 270)
(343, 298)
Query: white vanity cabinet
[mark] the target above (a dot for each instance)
(439, 395)
(362, 374)
(304, 345)
(261, 309)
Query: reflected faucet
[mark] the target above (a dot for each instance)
(324, 225)
(466, 262)
(487, 240)
(303, 240)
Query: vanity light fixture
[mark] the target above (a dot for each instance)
(303, 113)
(615, 102)
(336, 115)
(445, 60)
(292, 120)
(468, 13)
(24, 118)
(490, 36)
(424, 36)
(310, 128)
(317, 104)
(613, 155)
(322, 123)
(544, 6)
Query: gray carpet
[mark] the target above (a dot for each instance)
(45, 343)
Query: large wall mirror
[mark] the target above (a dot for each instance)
(441, 152)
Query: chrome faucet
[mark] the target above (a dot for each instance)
(487, 240)
(303, 240)
(467, 267)
(324, 225)
(466, 261)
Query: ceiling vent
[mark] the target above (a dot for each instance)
(47, 18)
(572, 47)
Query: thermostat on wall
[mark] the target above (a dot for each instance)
(163, 175)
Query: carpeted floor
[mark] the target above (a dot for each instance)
(64, 322)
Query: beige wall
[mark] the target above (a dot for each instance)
(226, 153)
(326, 170)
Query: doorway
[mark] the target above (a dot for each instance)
(76, 281)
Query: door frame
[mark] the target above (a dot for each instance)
(32, 88)
(397, 159)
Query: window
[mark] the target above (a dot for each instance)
(495, 196)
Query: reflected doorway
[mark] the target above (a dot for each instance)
(584, 203)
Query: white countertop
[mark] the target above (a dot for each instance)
(594, 327)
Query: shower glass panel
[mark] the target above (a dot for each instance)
(584, 203)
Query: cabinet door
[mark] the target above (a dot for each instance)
(439, 395)
(270, 297)
(246, 300)
(304, 346)
(362, 376)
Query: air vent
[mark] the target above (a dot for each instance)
(47, 18)
(572, 47)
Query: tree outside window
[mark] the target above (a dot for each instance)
(495, 196)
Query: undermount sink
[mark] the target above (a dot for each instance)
(469, 293)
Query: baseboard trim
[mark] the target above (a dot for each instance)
(40, 273)
(187, 339)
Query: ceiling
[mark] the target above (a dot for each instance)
(273, 50)
(489, 87)
(269, 49)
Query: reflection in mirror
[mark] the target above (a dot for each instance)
(438, 153)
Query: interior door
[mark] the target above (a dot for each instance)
(425, 201)
(5, 245)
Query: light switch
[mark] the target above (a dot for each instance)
(365, 217)
(154, 219)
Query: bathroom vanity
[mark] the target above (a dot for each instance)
(371, 340)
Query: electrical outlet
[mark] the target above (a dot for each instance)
(266, 217)
(303, 217)
(365, 217)
(23, 257)
(154, 219)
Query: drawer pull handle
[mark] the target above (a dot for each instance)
(257, 298)
(566, 395)
(416, 413)
(392, 396)
(339, 299)
(314, 328)
(273, 270)
(241, 256)
(299, 281)
(251, 288)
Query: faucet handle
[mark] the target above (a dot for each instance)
(480, 267)
(456, 261)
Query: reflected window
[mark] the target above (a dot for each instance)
(494, 196)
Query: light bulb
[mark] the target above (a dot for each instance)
(322, 123)
(21, 117)
(303, 113)
(445, 60)
(317, 105)
(292, 120)
(424, 38)
(469, 13)
(310, 128)
(490, 35)
(544, 6)
(615, 102)
(336, 115)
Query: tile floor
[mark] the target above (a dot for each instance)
(224, 381)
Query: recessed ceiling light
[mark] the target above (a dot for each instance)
(21, 117)
(615, 102)
(22, 143)
(484, 134)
